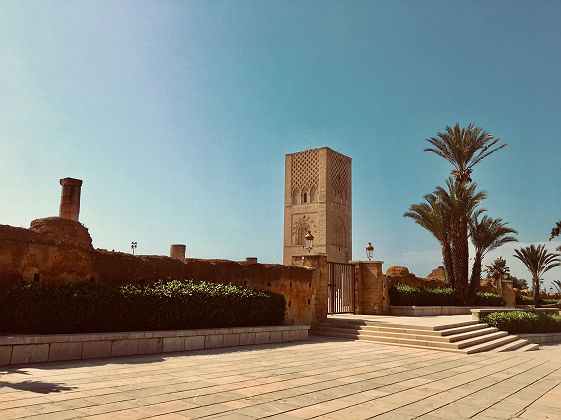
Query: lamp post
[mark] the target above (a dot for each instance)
(133, 246)
(369, 251)
(309, 241)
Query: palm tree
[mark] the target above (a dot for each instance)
(497, 269)
(557, 284)
(487, 234)
(432, 216)
(463, 148)
(555, 232)
(459, 202)
(538, 261)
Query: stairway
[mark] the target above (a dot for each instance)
(463, 337)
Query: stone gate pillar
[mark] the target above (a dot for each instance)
(317, 302)
(70, 198)
(371, 290)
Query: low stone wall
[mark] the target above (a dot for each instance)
(429, 310)
(22, 349)
(542, 338)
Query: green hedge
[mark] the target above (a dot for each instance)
(528, 300)
(87, 307)
(519, 322)
(403, 295)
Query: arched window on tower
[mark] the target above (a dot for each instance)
(302, 230)
(305, 198)
(313, 195)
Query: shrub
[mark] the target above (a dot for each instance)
(528, 300)
(549, 301)
(403, 295)
(489, 299)
(518, 322)
(524, 300)
(86, 307)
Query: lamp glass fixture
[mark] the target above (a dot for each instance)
(308, 241)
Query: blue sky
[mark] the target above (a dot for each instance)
(177, 115)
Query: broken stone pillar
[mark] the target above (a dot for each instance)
(177, 251)
(70, 198)
(507, 293)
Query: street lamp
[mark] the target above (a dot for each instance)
(308, 241)
(369, 251)
(133, 246)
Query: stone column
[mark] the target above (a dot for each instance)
(70, 198)
(177, 251)
(371, 297)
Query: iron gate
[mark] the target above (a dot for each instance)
(340, 288)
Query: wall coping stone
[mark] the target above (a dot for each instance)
(541, 338)
(28, 348)
(131, 335)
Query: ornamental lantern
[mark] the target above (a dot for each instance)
(369, 251)
(308, 240)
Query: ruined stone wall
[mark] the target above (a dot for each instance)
(52, 249)
(298, 284)
(59, 250)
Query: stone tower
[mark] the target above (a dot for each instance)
(317, 197)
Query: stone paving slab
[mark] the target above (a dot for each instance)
(319, 378)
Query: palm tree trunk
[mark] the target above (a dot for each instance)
(448, 264)
(475, 281)
(460, 256)
(536, 287)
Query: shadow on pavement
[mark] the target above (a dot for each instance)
(36, 386)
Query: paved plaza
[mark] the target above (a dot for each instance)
(319, 378)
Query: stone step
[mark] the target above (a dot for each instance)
(412, 334)
(376, 333)
(411, 340)
(343, 321)
(372, 328)
(529, 347)
(388, 341)
(470, 334)
(466, 328)
(465, 337)
(514, 345)
(491, 344)
(435, 330)
(470, 342)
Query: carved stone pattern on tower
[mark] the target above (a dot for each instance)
(300, 227)
(305, 170)
(339, 175)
